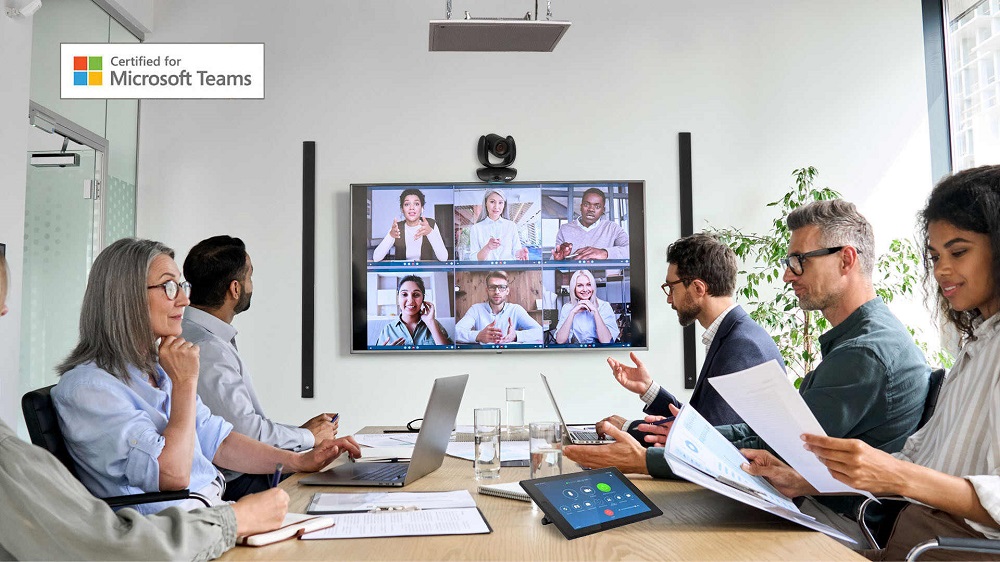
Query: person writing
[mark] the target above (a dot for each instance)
(495, 236)
(127, 398)
(41, 499)
(950, 468)
(418, 239)
(416, 324)
(497, 321)
(585, 318)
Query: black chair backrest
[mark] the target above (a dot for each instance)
(43, 425)
(936, 380)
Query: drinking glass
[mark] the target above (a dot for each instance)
(545, 446)
(487, 438)
(515, 413)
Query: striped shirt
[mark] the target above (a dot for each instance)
(962, 438)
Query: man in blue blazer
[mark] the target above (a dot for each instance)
(701, 280)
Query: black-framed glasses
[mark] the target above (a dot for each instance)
(172, 287)
(496, 288)
(796, 262)
(668, 286)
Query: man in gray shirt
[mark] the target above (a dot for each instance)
(220, 272)
(497, 321)
(589, 238)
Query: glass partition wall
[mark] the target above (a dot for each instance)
(71, 211)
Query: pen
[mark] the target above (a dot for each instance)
(741, 487)
(277, 475)
(667, 419)
(334, 418)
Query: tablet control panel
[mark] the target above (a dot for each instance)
(592, 498)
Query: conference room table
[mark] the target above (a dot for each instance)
(696, 524)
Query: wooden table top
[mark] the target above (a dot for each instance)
(697, 524)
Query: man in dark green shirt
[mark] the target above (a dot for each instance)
(873, 380)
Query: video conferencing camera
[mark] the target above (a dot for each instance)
(500, 147)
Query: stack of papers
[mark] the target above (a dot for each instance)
(345, 503)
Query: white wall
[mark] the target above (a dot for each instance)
(765, 86)
(15, 44)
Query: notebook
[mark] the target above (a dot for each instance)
(294, 525)
(511, 491)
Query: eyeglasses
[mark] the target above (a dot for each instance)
(171, 288)
(796, 262)
(668, 287)
(496, 288)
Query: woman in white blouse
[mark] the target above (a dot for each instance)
(419, 239)
(585, 318)
(952, 464)
(495, 236)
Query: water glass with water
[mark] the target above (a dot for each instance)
(487, 437)
(545, 446)
(515, 411)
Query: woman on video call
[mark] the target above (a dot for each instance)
(416, 324)
(585, 318)
(494, 236)
(418, 239)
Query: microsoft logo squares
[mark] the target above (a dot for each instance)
(87, 71)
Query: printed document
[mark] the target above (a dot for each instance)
(348, 502)
(461, 521)
(697, 452)
(764, 398)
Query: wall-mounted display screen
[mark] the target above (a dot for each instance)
(498, 266)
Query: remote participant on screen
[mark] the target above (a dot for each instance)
(495, 236)
(497, 321)
(418, 239)
(590, 238)
(416, 324)
(585, 318)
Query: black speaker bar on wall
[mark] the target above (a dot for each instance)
(687, 229)
(308, 266)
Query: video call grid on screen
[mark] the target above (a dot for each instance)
(453, 237)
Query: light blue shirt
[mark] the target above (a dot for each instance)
(584, 328)
(114, 432)
(480, 315)
(421, 335)
(225, 385)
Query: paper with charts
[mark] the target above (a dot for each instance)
(697, 452)
(764, 398)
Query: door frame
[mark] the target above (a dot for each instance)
(52, 122)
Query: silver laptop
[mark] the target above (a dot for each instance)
(577, 435)
(428, 453)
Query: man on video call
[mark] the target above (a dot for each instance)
(497, 321)
(220, 273)
(590, 238)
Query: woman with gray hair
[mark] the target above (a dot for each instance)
(127, 401)
(495, 236)
(585, 318)
(40, 500)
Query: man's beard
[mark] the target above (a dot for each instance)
(688, 314)
(243, 304)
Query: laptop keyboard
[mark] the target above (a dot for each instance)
(586, 435)
(391, 471)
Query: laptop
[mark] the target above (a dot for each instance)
(428, 452)
(577, 435)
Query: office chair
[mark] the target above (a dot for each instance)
(43, 428)
(891, 506)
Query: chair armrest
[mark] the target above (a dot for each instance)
(151, 497)
(955, 543)
(866, 531)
